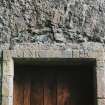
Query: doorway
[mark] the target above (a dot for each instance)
(54, 84)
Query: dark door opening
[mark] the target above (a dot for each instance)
(54, 85)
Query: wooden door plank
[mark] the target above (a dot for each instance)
(27, 91)
(36, 89)
(63, 96)
(63, 89)
(18, 91)
(50, 88)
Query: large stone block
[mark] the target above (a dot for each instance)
(8, 68)
(100, 54)
(86, 53)
(49, 54)
(18, 53)
(67, 53)
(75, 53)
(101, 101)
(81, 53)
(6, 55)
(7, 100)
(29, 53)
(100, 82)
(0, 69)
(7, 86)
(1, 55)
(92, 54)
(100, 64)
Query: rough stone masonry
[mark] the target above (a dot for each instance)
(61, 28)
(48, 21)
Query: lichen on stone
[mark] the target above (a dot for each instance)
(47, 21)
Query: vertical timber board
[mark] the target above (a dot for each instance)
(0, 77)
(36, 89)
(63, 90)
(18, 93)
(7, 78)
(50, 89)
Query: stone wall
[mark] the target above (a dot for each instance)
(21, 52)
(1, 77)
(47, 21)
(68, 28)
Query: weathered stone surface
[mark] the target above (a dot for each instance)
(0, 70)
(50, 54)
(8, 68)
(100, 64)
(7, 86)
(0, 54)
(67, 53)
(59, 37)
(75, 53)
(29, 53)
(41, 21)
(101, 101)
(6, 55)
(54, 50)
(7, 100)
(86, 50)
(100, 82)
(0, 82)
(81, 53)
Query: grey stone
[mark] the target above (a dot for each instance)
(29, 53)
(100, 82)
(101, 101)
(1, 55)
(7, 100)
(67, 53)
(41, 38)
(80, 21)
(6, 55)
(81, 53)
(0, 69)
(75, 53)
(59, 37)
(7, 86)
(42, 25)
(8, 68)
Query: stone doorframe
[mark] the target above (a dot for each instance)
(8, 58)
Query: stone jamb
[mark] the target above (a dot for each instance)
(7, 78)
(9, 57)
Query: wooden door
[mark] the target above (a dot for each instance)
(41, 88)
(63, 89)
(22, 88)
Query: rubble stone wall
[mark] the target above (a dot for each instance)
(48, 21)
(52, 28)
